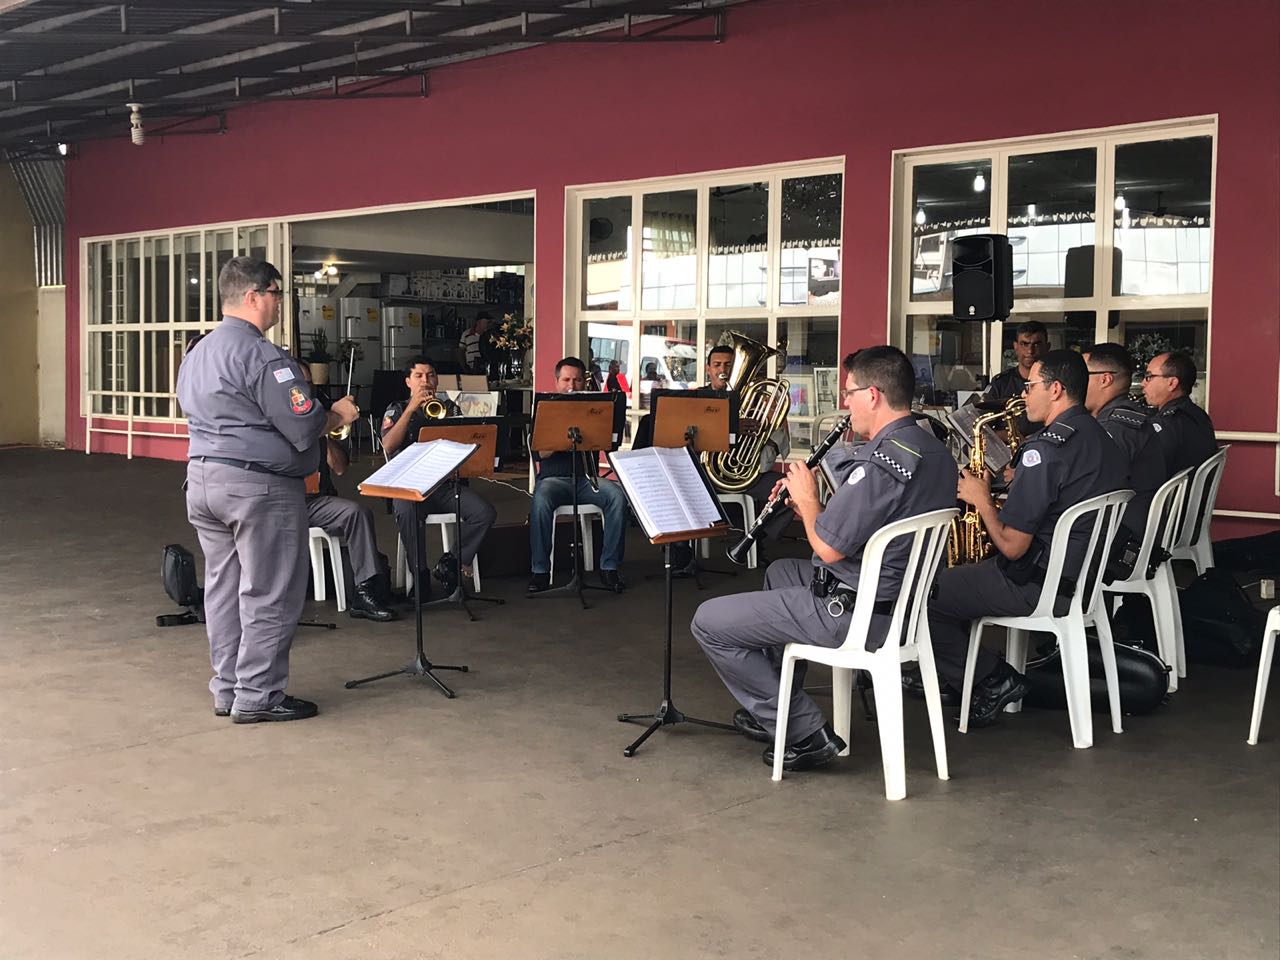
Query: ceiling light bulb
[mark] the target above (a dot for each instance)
(1120, 201)
(62, 149)
(319, 274)
(136, 132)
(1031, 210)
(195, 282)
(920, 217)
(979, 183)
(331, 270)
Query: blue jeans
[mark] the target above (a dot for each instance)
(553, 492)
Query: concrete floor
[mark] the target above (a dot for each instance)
(507, 823)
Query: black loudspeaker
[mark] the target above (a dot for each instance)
(981, 277)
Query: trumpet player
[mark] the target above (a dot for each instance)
(400, 425)
(1070, 460)
(902, 471)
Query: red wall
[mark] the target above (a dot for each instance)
(794, 80)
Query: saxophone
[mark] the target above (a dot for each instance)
(762, 400)
(968, 541)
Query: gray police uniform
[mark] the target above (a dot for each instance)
(903, 471)
(1128, 425)
(1005, 387)
(1185, 435)
(478, 514)
(253, 430)
(344, 518)
(1068, 461)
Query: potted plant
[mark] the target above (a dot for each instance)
(514, 336)
(318, 356)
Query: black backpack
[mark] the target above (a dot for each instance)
(178, 571)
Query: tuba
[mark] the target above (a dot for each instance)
(968, 541)
(762, 400)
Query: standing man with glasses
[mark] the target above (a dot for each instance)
(254, 436)
(1070, 460)
(1184, 432)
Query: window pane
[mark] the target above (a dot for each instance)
(669, 263)
(130, 283)
(1146, 333)
(948, 358)
(811, 210)
(668, 357)
(1162, 215)
(948, 200)
(189, 275)
(739, 235)
(218, 250)
(102, 277)
(1052, 198)
(1073, 330)
(599, 343)
(812, 367)
(606, 254)
(718, 332)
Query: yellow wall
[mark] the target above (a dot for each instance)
(19, 399)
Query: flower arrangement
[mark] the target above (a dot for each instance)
(514, 334)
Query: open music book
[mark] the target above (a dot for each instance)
(668, 493)
(996, 453)
(418, 470)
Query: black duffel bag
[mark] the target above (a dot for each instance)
(178, 571)
(1144, 680)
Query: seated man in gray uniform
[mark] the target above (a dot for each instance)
(350, 520)
(1184, 432)
(254, 435)
(901, 471)
(400, 426)
(1128, 424)
(1070, 460)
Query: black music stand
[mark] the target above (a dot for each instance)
(701, 421)
(668, 714)
(419, 666)
(484, 432)
(576, 422)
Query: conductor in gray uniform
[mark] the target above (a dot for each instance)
(1070, 460)
(254, 433)
(902, 471)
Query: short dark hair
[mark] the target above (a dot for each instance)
(1030, 327)
(1111, 356)
(718, 348)
(888, 370)
(239, 275)
(1180, 365)
(1069, 369)
(571, 362)
(418, 360)
(483, 315)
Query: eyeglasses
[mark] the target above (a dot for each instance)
(275, 292)
(845, 394)
(1028, 384)
(1151, 376)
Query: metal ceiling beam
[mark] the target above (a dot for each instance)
(64, 109)
(376, 7)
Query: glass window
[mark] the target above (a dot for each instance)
(719, 332)
(219, 248)
(948, 200)
(602, 343)
(669, 261)
(1146, 333)
(810, 262)
(1163, 190)
(738, 266)
(1052, 201)
(1069, 330)
(669, 358)
(947, 356)
(189, 275)
(606, 253)
(105, 276)
(813, 370)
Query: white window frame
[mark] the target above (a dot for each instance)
(1103, 140)
(703, 182)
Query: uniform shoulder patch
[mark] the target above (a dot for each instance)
(1130, 418)
(858, 473)
(899, 466)
(1030, 458)
(1056, 433)
(283, 375)
(299, 402)
(1157, 427)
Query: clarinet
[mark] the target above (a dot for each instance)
(739, 551)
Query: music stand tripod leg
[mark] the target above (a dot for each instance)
(667, 713)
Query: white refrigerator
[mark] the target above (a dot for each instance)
(401, 335)
(360, 323)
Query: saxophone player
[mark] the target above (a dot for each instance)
(1070, 460)
(400, 425)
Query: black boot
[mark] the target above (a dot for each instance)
(447, 572)
(366, 605)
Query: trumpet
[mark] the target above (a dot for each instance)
(433, 408)
(739, 552)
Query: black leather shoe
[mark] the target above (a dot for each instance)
(1003, 686)
(290, 708)
(446, 571)
(820, 747)
(365, 605)
(612, 581)
(539, 582)
(913, 686)
(747, 725)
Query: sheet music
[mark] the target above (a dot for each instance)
(996, 453)
(666, 490)
(423, 466)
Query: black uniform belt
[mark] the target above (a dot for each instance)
(841, 596)
(243, 465)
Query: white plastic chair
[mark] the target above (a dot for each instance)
(748, 508)
(928, 534)
(1269, 634)
(1160, 589)
(1084, 609)
(445, 521)
(317, 540)
(1193, 541)
(586, 513)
